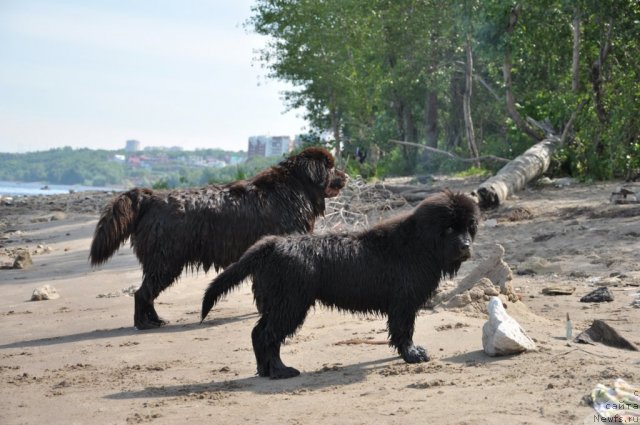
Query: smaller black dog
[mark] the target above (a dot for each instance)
(391, 269)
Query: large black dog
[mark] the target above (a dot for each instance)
(391, 269)
(213, 225)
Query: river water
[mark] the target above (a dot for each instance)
(35, 188)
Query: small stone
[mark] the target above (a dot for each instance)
(600, 331)
(599, 295)
(459, 300)
(558, 290)
(46, 292)
(492, 292)
(563, 182)
(491, 223)
(501, 334)
(22, 260)
(579, 274)
(623, 195)
(130, 291)
(476, 293)
(610, 281)
(58, 215)
(544, 181)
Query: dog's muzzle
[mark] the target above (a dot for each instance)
(336, 183)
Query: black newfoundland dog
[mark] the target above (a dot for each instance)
(390, 269)
(213, 225)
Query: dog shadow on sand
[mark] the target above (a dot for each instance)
(326, 377)
(98, 334)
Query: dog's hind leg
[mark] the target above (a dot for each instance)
(401, 326)
(267, 337)
(145, 315)
(259, 348)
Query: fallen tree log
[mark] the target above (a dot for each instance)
(532, 164)
(515, 175)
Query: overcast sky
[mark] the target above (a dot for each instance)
(94, 73)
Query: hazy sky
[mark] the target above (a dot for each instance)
(94, 73)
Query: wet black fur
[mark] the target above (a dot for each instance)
(390, 269)
(214, 225)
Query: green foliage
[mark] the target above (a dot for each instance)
(63, 166)
(366, 170)
(392, 164)
(160, 184)
(100, 168)
(473, 171)
(364, 70)
(240, 174)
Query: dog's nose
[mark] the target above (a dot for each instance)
(465, 248)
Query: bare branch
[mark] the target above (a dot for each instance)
(450, 155)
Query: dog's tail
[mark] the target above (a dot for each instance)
(116, 224)
(233, 275)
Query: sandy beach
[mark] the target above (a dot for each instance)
(78, 360)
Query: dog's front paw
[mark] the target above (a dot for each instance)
(415, 354)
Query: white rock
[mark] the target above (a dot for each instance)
(501, 334)
(46, 292)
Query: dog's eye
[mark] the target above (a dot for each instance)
(448, 230)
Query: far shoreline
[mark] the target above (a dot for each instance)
(19, 189)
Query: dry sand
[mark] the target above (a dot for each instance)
(78, 360)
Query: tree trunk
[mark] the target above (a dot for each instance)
(517, 173)
(335, 128)
(454, 122)
(410, 135)
(431, 118)
(575, 64)
(596, 76)
(466, 103)
(508, 85)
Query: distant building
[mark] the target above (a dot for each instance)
(269, 146)
(132, 146)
